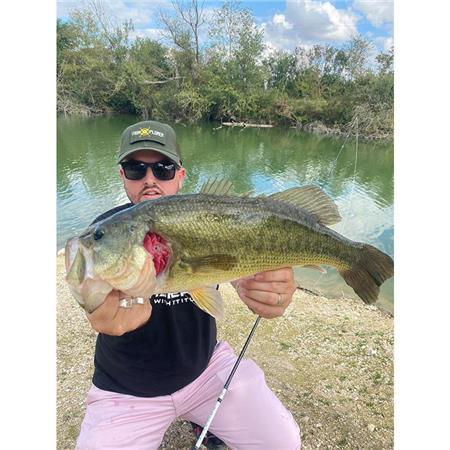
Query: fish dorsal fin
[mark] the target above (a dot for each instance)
(313, 200)
(209, 300)
(222, 186)
(217, 186)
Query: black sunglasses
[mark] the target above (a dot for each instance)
(162, 170)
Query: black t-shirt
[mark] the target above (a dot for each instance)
(167, 353)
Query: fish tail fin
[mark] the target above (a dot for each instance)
(368, 273)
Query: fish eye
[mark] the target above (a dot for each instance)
(98, 233)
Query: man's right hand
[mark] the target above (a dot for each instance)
(110, 319)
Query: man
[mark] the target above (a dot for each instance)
(160, 360)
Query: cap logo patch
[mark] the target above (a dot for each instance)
(144, 132)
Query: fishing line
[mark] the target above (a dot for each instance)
(333, 166)
(354, 177)
(225, 387)
(319, 278)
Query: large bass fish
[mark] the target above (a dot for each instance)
(193, 242)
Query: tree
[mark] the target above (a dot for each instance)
(234, 63)
(143, 76)
(183, 26)
(100, 69)
(225, 28)
(66, 41)
(235, 35)
(282, 71)
(357, 56)
(386, 61)
(90, 69)
(115, 35)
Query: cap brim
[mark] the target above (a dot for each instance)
(151, 146)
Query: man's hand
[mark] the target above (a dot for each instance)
(267, 294)
(110, 319)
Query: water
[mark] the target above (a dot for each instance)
(258, 160)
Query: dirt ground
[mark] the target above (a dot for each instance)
(330, 361)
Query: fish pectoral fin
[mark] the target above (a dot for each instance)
(209, 300)
(313, 200)
(312, 266)
(207, 263)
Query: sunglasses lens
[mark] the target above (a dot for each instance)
(136, 170)
(164, 170)
(133, 170)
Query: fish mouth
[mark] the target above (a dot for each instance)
(135, 275)
(70, 252)
(87, 290)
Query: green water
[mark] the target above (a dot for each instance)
(358, 177)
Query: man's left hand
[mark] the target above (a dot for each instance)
(267, 294)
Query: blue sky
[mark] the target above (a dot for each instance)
(286, 23)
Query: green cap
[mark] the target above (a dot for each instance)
(150, 135)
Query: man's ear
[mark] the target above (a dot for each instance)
(181, 177)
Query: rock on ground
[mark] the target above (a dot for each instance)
(330, 361)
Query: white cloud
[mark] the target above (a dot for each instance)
(384, 43)
(280, 20)
(306, 21)
(377, 12)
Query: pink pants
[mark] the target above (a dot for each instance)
(250, 416)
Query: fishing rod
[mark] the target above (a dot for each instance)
(225, 388)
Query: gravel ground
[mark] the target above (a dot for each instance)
(330, 361)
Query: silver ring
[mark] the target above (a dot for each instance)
(280, 299)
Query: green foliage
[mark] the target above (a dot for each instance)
(190, 104)
(142, 77)
(99, 69)
(282, 67)
(386, 61)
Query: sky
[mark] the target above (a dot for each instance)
(286, 23)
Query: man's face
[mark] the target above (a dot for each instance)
(150, 187)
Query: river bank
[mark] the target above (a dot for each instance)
(316, 127)
(330, 361)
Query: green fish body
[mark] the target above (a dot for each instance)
(193, 242)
